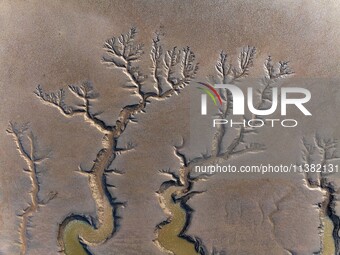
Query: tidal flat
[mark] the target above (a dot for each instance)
(61, 47)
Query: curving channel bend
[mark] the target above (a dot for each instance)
(76, 232)
(170, 233)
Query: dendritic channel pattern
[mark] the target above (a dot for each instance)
(172, 71)
(323, 151)
(174, 194)
(26, 143)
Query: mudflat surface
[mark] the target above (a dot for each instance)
(46, 166)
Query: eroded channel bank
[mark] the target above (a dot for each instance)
(170, 233)
(75, 233)
(178, 67)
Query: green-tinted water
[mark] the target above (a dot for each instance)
(168, 235)
(77, 230)
(328, 241)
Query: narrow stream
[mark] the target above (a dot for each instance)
(76, 234)
(169, 232)
(328, 241)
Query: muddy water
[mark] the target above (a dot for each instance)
(168, 236)
(77, 230)
(74, 233)
(328, 241)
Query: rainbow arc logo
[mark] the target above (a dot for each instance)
(213, 94)
(238, 102)
(211, 91)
